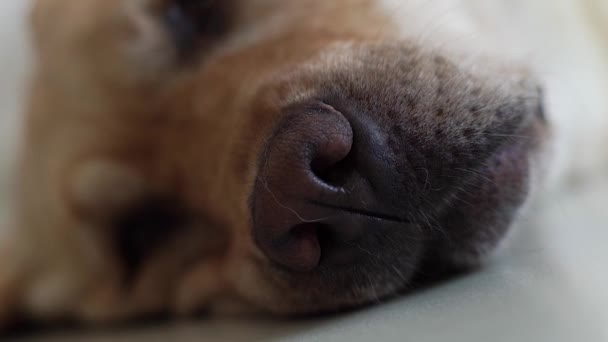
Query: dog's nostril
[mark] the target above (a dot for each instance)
(334, 174)
(313, 243)
(300, 251)
(308, 160)
(309, 244)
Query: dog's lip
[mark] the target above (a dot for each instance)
(362, 212)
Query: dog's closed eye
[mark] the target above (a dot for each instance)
(193, 24)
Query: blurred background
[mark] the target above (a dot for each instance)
(550, 283)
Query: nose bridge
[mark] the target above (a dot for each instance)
(422, 88)
(421, 121)
(439, 102)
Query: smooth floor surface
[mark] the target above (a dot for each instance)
(548, 285)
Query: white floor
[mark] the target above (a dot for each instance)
(549, 284)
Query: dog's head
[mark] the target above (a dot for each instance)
(294, 157)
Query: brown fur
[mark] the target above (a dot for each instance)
(117, 119)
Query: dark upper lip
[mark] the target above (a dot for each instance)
(362, 212)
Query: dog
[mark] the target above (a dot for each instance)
(285, 157)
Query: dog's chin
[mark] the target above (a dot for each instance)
(370, 277)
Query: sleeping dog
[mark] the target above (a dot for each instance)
(289, 157)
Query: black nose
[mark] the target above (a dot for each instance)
(315, 196)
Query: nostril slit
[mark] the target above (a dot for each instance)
(323, 233)
(300, 249)
(333, 174)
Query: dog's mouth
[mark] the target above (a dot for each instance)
(328, 244)
(364, 213)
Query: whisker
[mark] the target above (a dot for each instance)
(399, 273)
(293, 211)
(473, 172)
(527, 137)
(264, 181)
(366, 251)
